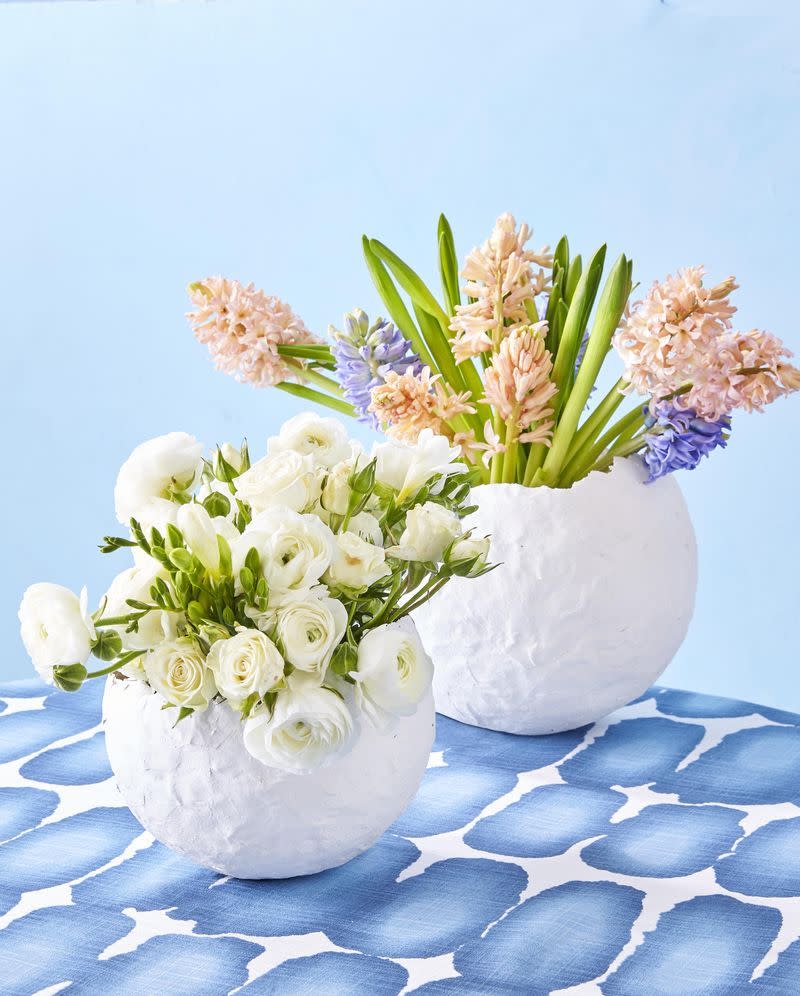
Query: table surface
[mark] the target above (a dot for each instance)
(655, 852)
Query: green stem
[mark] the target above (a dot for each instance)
(597, 419)
(322, 381)
(586, 457)
(625, 449)
(422, 596)
(510, 455)
(535, 460)
(301, 391)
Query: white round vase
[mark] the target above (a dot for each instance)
(593, 597)
(197, 790)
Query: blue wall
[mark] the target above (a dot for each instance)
(145, 145)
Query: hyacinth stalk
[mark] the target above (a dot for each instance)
(525, 333)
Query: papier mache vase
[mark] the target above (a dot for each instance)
(194, 786)
(593, 596)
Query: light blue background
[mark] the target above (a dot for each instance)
(145, 145)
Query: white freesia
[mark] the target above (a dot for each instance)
(309, 727)
(295, 550)
(356, 563)
(470, 548)
(153, 628)
(200, 532)
(408, 468)
(246, 664)
(430, 528)
(156, 471)
(324, 439)
(394, 671)
(308, 628)
(367, 527)
(55, 627)
(178, 671)
(287, 479)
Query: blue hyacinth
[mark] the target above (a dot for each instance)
(365, 355)
(680, 439)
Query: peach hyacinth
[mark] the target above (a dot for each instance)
(243, 328)
(408, 403)
(500, 277)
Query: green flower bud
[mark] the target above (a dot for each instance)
(107, 646)
(69, 677)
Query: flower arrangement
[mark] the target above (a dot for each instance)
(504, 366)
(271, 587)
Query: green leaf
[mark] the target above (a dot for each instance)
(573, 276)
(217, 504)
(344, 659)
(448, 265)
(183, 712)
(225, 556)
(249, 704)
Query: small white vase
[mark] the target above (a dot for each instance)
(593, 597)
(197, 790)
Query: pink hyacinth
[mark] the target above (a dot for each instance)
(409, 402)
(243, 328)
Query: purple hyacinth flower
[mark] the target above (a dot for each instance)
(365, 354)
(679, 439)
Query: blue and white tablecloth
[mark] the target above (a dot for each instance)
(656, 852)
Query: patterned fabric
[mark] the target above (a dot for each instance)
(656, 852)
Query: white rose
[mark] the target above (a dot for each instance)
(308, 629)
(309, 727)
(470, 548)
(154, 628)
(232, 455)
(394, 671)
(356, 564)
(55, 627)
(407, 468)
(324, 439)
(367, 527)
(246, 664)
(156, 471)
(430, 528)
(178, 672)
(295, 550)
(288, 479)
(200, 532)
(336, 490)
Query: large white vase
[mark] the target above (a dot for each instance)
(593, 597)
(197, 790)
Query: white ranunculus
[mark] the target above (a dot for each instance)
(430, 528)
(246, 664)
(200, 532)
(406, 468)
(310, 726)
(367, 527)
(153, 628)
(157, 469)
(308, 628)
(394, 671)
(324, 439)
(178, 671)
(55, 627)
(295, 550)
(356, 564)
(286, 479)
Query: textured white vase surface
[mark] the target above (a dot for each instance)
(593, 597)
(197, 790)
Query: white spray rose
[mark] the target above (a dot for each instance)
(394, 671)
(336, 490)
(246, 664)
(286, 479)
(295, 550)
(156, 471)
(367, 527)
(200, 532)
(430, 528)
(309, 727)
(356, 564)
(232, 455)
(154, 628)
(308, 629)
(470, 548)
(324, 439)
(177, 670)
(55, 627)
(407, 468)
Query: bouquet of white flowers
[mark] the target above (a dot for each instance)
(271, 586)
